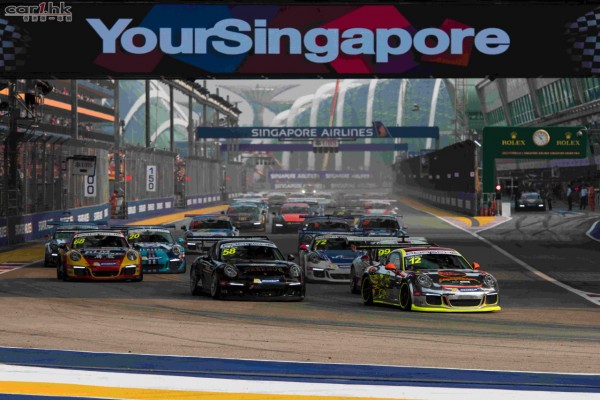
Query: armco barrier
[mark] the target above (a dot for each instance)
(23, 228)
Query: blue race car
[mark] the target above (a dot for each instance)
(159, 251)
(380, 225)
(321, 225)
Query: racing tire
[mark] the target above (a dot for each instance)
(366, 291)
(194, 281)
(404, 297)
(58, 272)
(353, 288)
(140, 278)
(215, 289)
(273, 229)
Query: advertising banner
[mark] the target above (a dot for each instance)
(57, 39)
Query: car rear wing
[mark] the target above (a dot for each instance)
(59, 224)
(132, 227)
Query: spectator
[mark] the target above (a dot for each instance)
(570, 196)
(113, 203)
(583, 199)
(548, 196)
(592, 198)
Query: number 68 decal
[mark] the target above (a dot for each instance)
(228, 252)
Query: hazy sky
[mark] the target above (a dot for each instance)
(306, 86)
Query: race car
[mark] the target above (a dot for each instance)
(430, 279)
(372, 249)
(248, 216)
(206, 225)
(62, 233)
(99, 255)
(159, 251)
(328, 257)
(247, 267)
(380, 207)
(276, 200)
(379, 225)
(321, 225)
(290, 217)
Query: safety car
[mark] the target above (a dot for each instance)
(206, 225)
(430, 279)
(159, 251)
(530, 201)
(98, 255)
(290, 217)
(61, 234)
(247, 267)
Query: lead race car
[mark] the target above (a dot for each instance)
(159, 251)
(247, 267)
(430, 279)
(99, 255)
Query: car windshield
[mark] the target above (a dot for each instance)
(327, 226)
(84, 242)
(249, 252)
(530, 196)
(435, 261)
(379, 223)
(149, 237)
(210, 224)
(63, 235)
(245, 209)
(295, 210)
(331, 244)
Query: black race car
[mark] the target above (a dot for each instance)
(250, 267)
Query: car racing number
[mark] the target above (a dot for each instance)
(320, 242)
(383, 252)
(228, 252)
(134, 236)
(413, 260)
(79, 241)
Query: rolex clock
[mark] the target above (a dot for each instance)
(541, 137)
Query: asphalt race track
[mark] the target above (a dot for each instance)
(545, 263)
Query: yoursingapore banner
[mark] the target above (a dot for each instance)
(128, 40)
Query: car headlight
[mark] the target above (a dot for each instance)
(314, 258)
(230, 271)
(490, 281)
(176, 250)
(295, 271)
(424, 281)
(132, 255)
(75, 256)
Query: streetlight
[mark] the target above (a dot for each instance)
(224, 182)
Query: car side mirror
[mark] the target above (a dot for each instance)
(46, 236)
(62, 246)
(183, 228)
(180, 240)
(304, 247)
(291, 257)
(274, 213)
(53, 247)
(476, 265)
(264, 212)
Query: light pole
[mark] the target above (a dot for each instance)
(224, 182)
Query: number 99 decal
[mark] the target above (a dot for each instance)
(383, 252)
